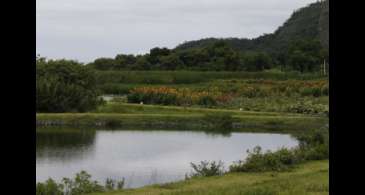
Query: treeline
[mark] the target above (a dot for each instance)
(302, 55)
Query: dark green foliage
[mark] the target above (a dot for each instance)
(171, 62)
(257, 61)
(65, 86)
(219, 121)
(207, 169)
(305, 55)
(112, 123)
(104, 64)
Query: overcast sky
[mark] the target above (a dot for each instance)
(87, 29)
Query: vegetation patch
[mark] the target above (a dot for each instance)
(81, 184)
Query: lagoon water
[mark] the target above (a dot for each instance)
(142, 157)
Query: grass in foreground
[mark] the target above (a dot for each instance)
(307, 178)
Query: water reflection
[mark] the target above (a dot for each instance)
(142, 157)
(65, 145)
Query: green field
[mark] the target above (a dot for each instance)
(134, 116)
(309, 178)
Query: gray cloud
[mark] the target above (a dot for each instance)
(87, 29)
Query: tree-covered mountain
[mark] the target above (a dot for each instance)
(300, 44)
(310, 22)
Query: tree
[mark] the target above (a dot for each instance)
(171, 62)
(156, 53)
(104, 64)
(256, 61)
(65, 86)
(141, 64)
(123, 61)
(305, 55)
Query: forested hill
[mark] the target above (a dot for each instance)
(310, 22)
(300, 44)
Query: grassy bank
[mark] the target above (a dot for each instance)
(307, 178)
(134, 116)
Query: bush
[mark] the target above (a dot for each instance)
(257, 161)
(81, 184)
(312, 146)
(65, 86)
(207, 169)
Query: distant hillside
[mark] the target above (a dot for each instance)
(310, 22)
(300, 44)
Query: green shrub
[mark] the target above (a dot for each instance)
(81, 184)
(207, 169)
(313, 145)
(257, 161)
(65, 86)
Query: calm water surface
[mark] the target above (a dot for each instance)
(142, 157)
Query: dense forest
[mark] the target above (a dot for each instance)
(300, 44)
